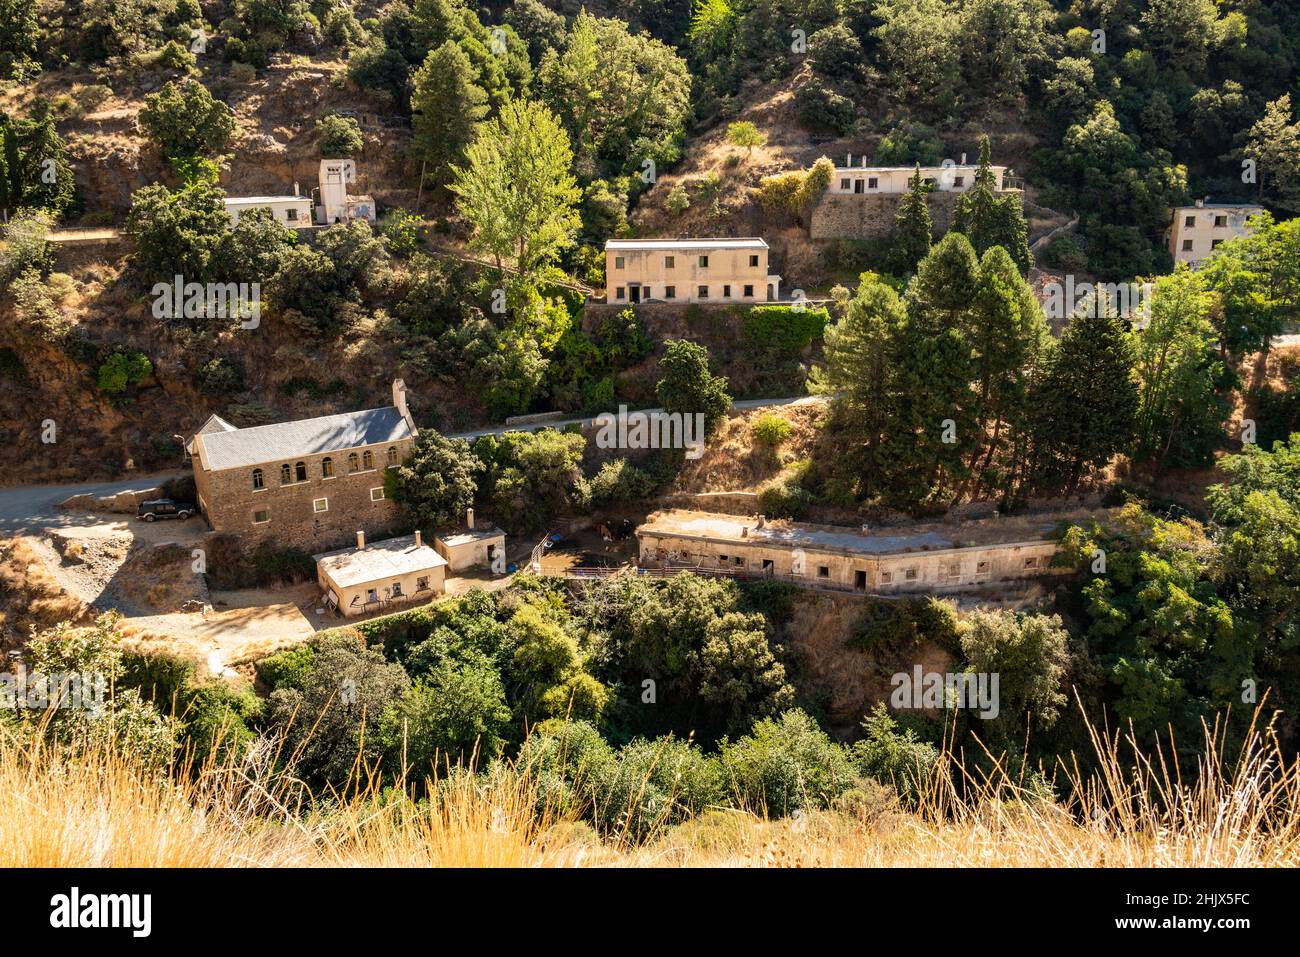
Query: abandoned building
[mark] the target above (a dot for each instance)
(333, 203)
(1196, 231)
(862, 201)
(913, 558)
(688, 270)
(374, 577)
(862, 179)
(309, 483)
(473, 546)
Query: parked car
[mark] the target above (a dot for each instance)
(165, 508)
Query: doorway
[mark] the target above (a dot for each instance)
(859, 581)
(634, 293)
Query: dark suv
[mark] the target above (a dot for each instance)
(165, 508)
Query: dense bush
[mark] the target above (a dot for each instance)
(782, 331)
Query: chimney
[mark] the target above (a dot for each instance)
(762, 520)
(963, 159)
(1200, 204)
(849, 160)
(744, 532)
(419, 539)
(361, 539)
(296, 191)
(469, 519)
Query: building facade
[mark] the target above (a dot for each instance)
(1197, 231)
(310, 483)
(376, 577)
(688, 270)
(863, 180)
(291, 211)
(887, 561)
(336, 204)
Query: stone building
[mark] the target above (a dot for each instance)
(862, 201)
(688, 270)
(310, 483)
(915, 558)
(1196, 231)
(376, 577)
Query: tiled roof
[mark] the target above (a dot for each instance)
(286, 440)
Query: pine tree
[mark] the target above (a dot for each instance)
(859, 372)
(912, 226)
(989, 218)
(446, 109)
(1085, 405)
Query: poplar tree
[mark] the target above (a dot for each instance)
(446, 110)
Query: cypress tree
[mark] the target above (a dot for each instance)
(912, 226)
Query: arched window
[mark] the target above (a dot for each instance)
(300, 472)
(327, 468)
(258, 481)
(368, 459)
(354, 463)
(392, 455)
(285, 475)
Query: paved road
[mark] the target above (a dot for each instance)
(26, 509)
(588, 420)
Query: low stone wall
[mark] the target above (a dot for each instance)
(123, 503)
(871, 215)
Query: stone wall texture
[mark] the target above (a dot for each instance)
(230, 501)
(871, 215)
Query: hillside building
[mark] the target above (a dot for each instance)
(375, 577)
(309, 483)
(868, 180)
(291, 211)
(1197, 231)
(336, 205)
(688, 270)
(915, 558)
(472, 546)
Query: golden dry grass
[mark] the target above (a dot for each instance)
(60, 808)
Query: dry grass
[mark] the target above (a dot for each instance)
(30, 594)
(93, 808)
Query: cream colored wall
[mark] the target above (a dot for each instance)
(469, 554)
(279, 210)
(345, 595)
(648, 268)
(896, 180)
(1203, 233)
(976, 565)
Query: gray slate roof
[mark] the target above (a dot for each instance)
(262, 444)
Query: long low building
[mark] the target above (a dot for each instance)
(374, 577)
(689, 270)
(914, 558)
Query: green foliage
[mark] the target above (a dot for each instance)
(184, 120)
(784, 765)
(437, 482)
(770, 430)
(123, 369)
(446, 110)
(903, 624)
(527, 219)
(894, 757)
(746, 135)
(340, 136)
(782, 331)
(529, 478)
(782, 498)
(687, 386)
(618, 482)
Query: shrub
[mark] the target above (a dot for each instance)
(185, 120)
(899, 759)
(782, 499)
(123, 369)
(340, 136)
(1065, 252)
(677, 201)
(618, 482)
(782, 330)
(282, 565)
(780, 193)
(770, 430)
(220, 376)
(820, 108)
(786, 764)
(288, 668)
(903, 623)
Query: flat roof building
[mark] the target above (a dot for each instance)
(482, 545)
(374, 577)
(291, 211)
(1197, 231)
(689, 270)
(868, 180)
(914, 558)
